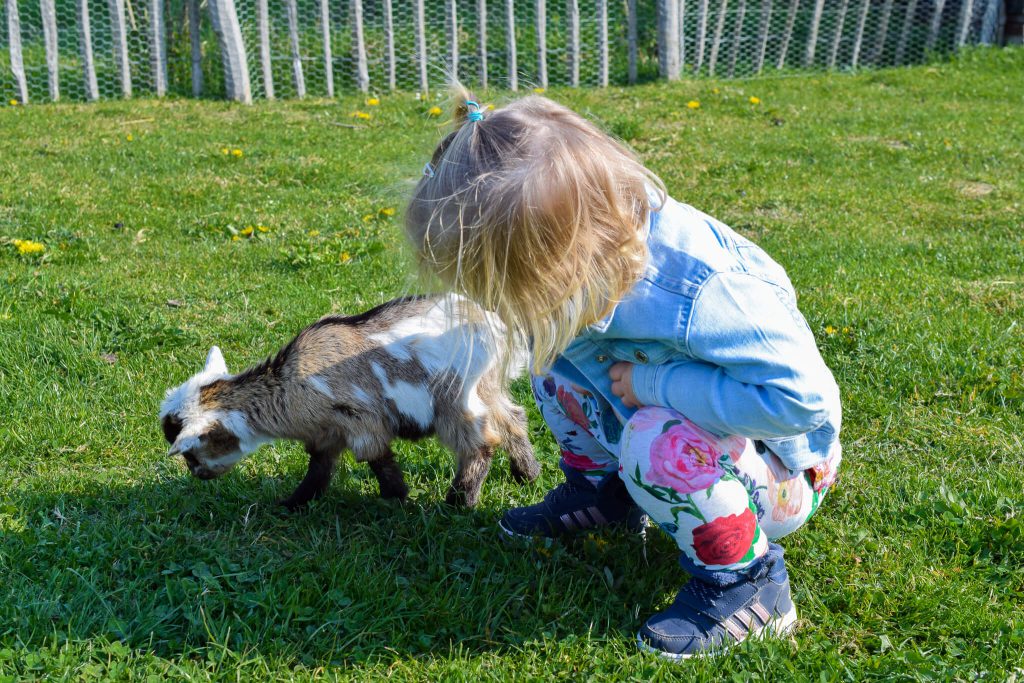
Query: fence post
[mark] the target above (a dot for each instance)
(195, 47)
(602, 43)
(702, 34)
(293, 39)
(14, 47)
(737, 36)
(362, 70)
(883, 32)
(682, 35)
(908, 20)
(668, 39)
(119, 33)
(787, 35)
(266, 68)
(966, 13)
(573, 12)
(812, 37)
(452, 23)
(157, 46)
(631, 37)
(987, 36)
(542, 43)
(232, 50)
(933, 29)
(389, 40)
(49, 17)
(510, 40)
(92, 90)
(421, 45)
(858, 39)
(716, 40)
(762, 31)
(325, 33)
(838, 36)
(481, 38)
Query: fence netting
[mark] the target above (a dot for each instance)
(719, 38)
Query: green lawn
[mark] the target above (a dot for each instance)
(893, 198)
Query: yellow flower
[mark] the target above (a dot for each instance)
(314, 233)
(715, 91)
(434, 111)
(693, 104)
(373, 102)
(388, 211)
(755, 100)
(29, 247)
(846, 330)
(225, 150)
(129, 137)
(539, 91)
(235, 238)
(262, 228)
(367, 218)
(236, 152)
(14, 103)
(490, 107)
(247, 231)
(829, 330)
(345, 257)
(360, 115)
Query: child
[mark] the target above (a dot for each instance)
(669, 358)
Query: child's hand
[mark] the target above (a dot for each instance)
(621, 375)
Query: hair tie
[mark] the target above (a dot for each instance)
(475, 114)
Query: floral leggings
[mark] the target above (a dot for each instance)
(721, 498)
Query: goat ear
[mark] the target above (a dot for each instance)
(215, 361)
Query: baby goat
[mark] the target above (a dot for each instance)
(399, 370)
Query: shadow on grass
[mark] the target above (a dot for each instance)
(181, 567)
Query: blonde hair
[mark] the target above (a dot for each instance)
(535, 214)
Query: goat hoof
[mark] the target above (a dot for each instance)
(527, 474)
(395, 492)
(461, 499)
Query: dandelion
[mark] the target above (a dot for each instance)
(715, 91)
(225, 151)
(388, 211)
(345, 257)
(829, 330)
(539, 91)
(235, 238)
(367, 218)
(373, 102)
(129, 137)
(27, 247)
(846, 330)
(262, 228)
(237, 153)
(314, 233)
(693, 104)
(360, 115)
(14, 103)
(247, 231)
(755, 100)
(434, 111)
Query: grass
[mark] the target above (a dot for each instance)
(893, 198)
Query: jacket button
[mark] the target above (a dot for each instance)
(602, 358)
(640, 356)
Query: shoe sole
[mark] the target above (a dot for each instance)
(775, 628)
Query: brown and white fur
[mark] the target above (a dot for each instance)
(399, 370)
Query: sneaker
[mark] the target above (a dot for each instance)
(706, 618)
(576, 505)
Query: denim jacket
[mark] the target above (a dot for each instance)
(714, 332)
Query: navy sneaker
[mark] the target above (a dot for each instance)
(576, 505)
(707, 618)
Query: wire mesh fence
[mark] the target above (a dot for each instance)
(91, 49)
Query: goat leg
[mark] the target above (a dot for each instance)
(389, 476)
(473, 466)
(318, 476)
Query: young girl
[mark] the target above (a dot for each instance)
(669, 358)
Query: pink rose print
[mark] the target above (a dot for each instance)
(573, 409)
(685, 459)
(786, 497)
(652, 417)
(580, 462)
(823, 476)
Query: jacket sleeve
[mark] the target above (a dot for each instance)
(756, 371)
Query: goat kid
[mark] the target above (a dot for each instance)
(399, 370)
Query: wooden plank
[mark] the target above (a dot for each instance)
(49, 18)
(325, 38)
(389, 41)
(787, 34)
(542, 42)
(298, 79)
(966, 14)
(762, 32)
(195, 48)
(737, 37)
(668, 39)
(837, 37)
(158, 46)
(92, 90)
(882, 32)
(510, 44)
(14, 49)
(631, 40)
(716, 40)
(908, 22)
(119, 34)
(452, 24)
(266, 66)
(573, 12)
(232, 50)
(858, 39)
(359, 43)
(812, 36)
(481, 42)
(702, 34)
(935, 24)
(602, 44)
(421, 45)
